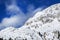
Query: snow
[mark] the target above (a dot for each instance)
(44, 25)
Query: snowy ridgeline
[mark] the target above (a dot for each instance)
(45, 25)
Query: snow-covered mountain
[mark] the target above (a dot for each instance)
(44, 25)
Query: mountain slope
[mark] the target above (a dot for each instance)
(44, 25)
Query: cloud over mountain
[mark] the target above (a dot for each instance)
(17, 16)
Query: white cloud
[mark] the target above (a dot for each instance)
(31, 10)
(13, 21)
(13, 9)
(17, 17)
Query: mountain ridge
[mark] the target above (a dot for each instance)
(44, 25)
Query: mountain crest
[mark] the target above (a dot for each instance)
(44, 25)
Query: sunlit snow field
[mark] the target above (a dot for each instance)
(29, 20)
(44, 25)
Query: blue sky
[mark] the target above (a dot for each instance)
(21, 11)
